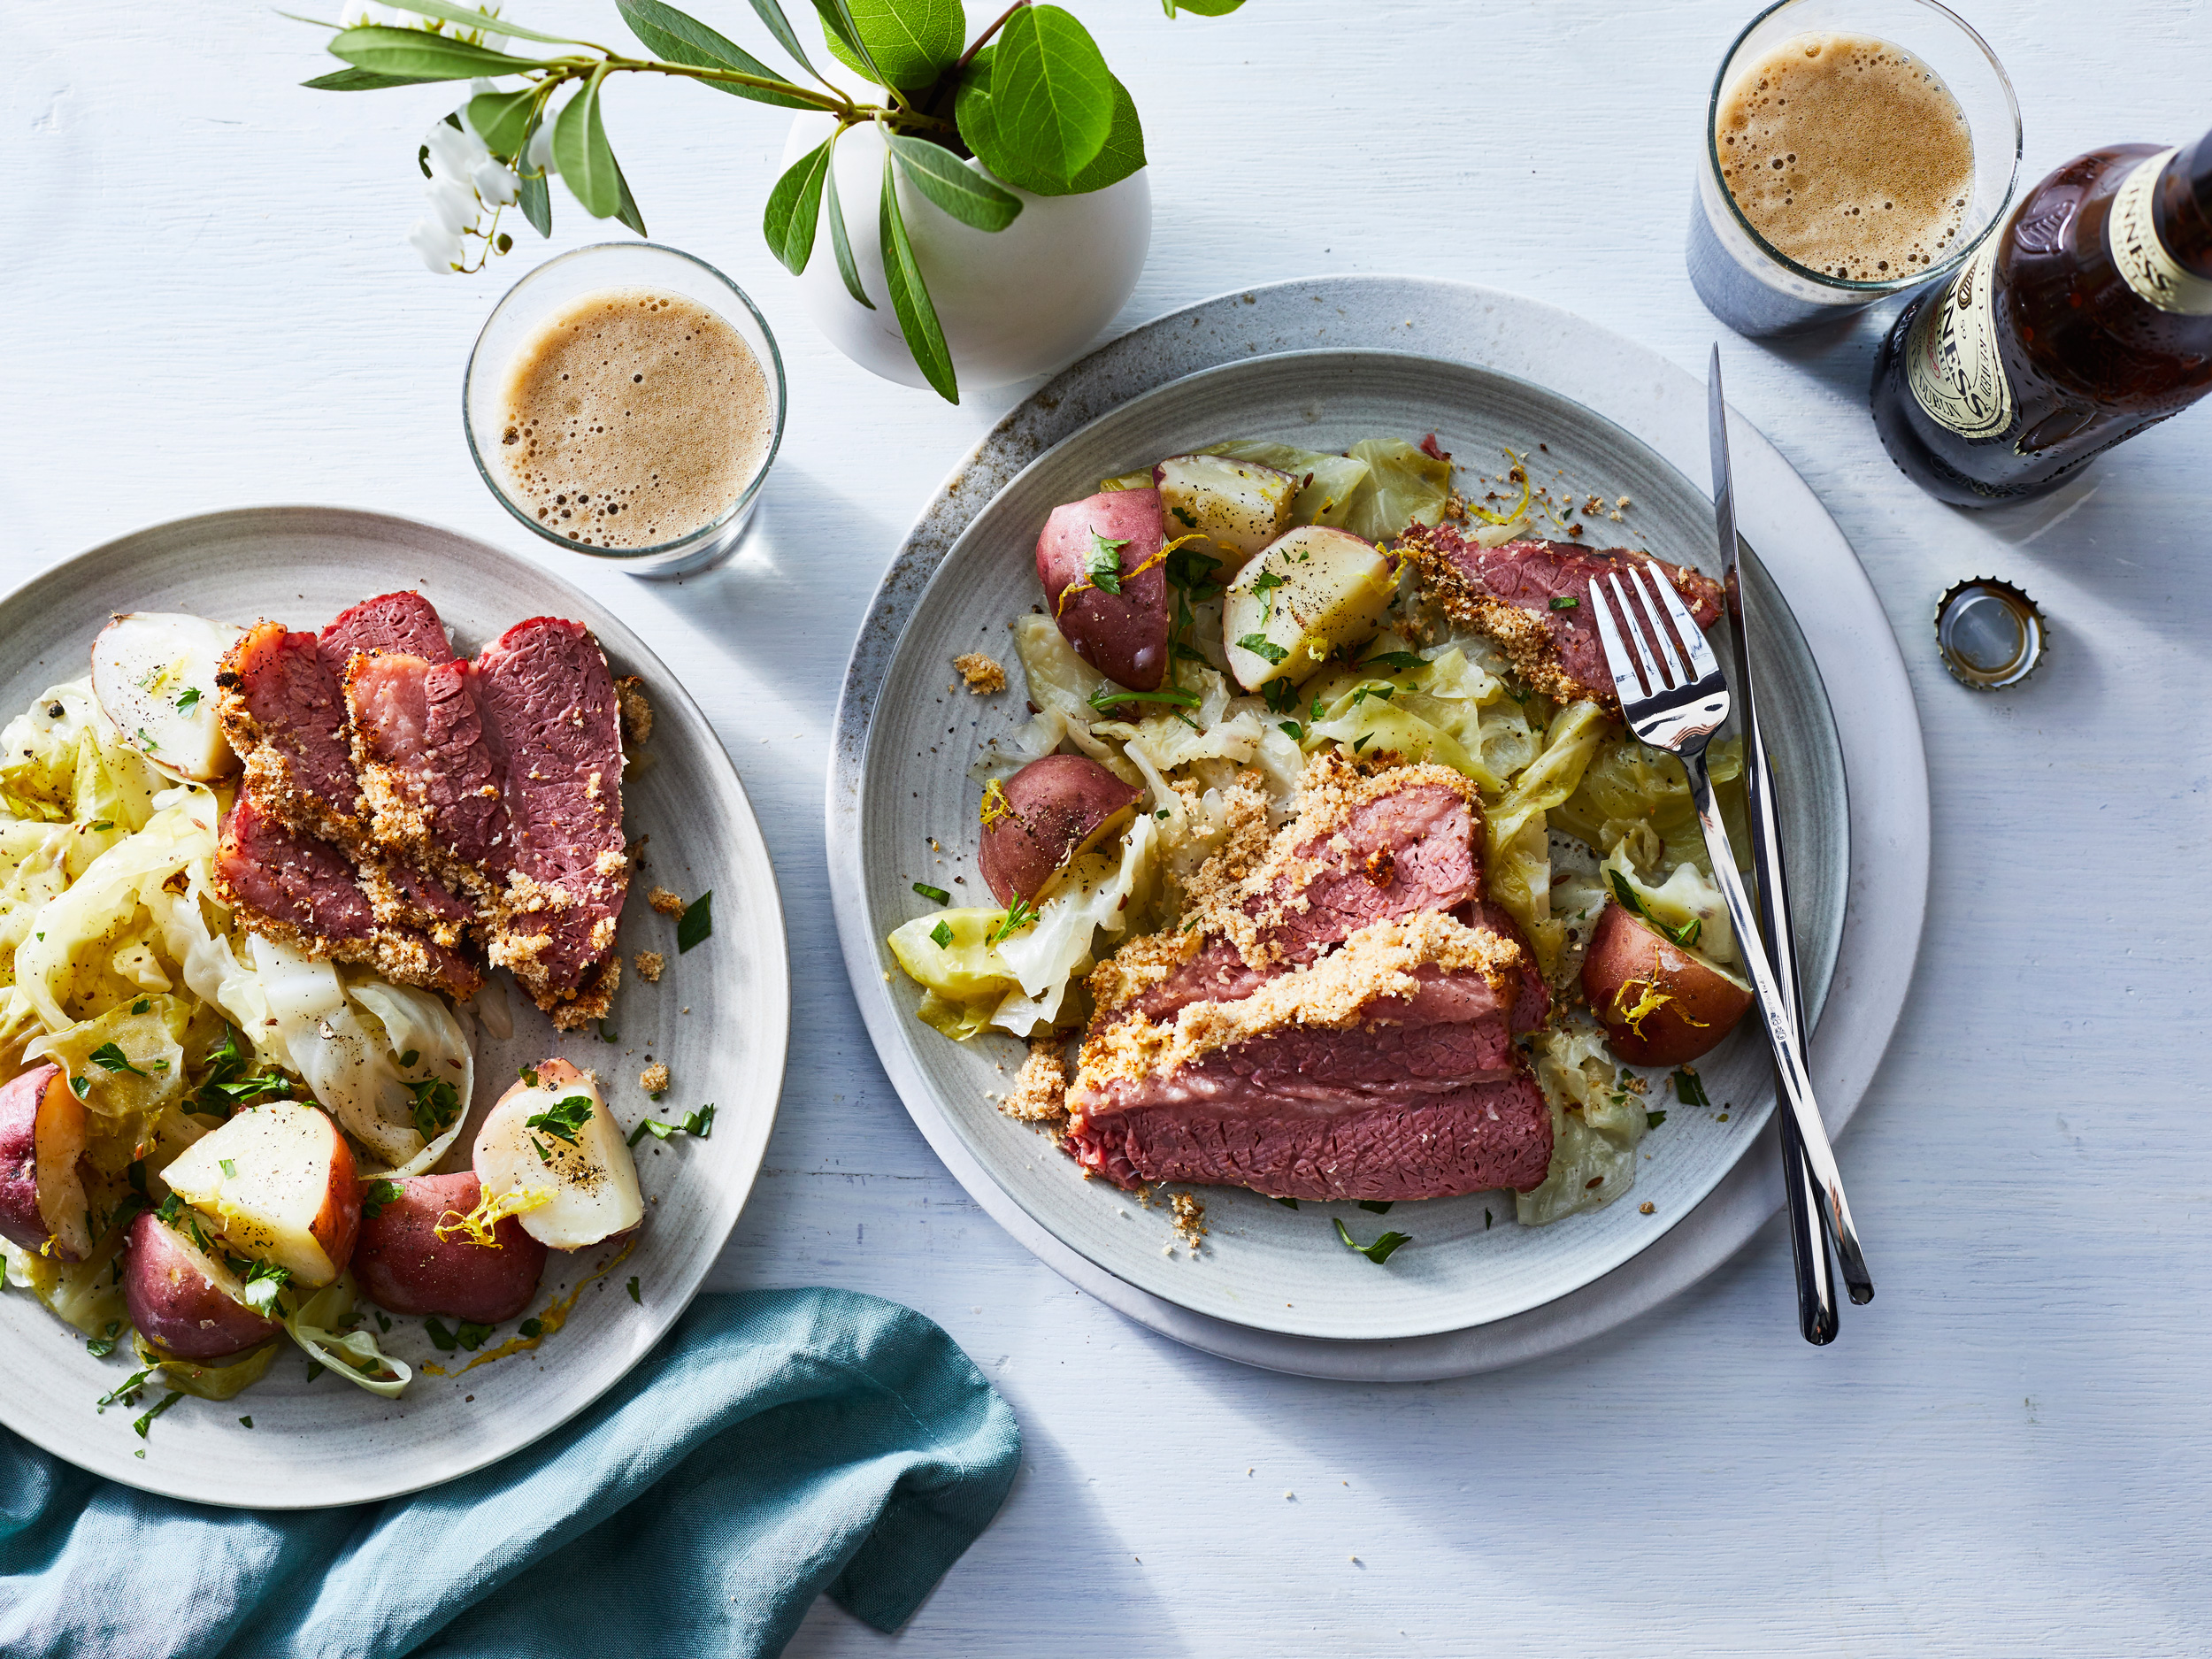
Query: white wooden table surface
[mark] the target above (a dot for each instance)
(204, 302)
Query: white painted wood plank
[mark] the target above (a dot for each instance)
(208, 304)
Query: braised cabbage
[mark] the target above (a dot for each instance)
(1596, 1122)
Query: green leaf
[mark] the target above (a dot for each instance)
(940, 935)
(1261, 646)
(1121, 155)
(109, 1057)
(625, 208)
(1201, 8)
(423, 56)
(1376, 1206)
(469, 17)
(695, 926)
(773, 18)
(953, 186)
(839, 29)
(841, 239)
(1104, 566)
(1689, 1088)
(536, 202)
(910, 294)
(564, 1119)
(1052, 96)
(936, 896)
(682, 38)
(364, 80)
(441, 1339)
(581, 152)
(910, 42)
(794, 208)
(1378, 1252)
(503, 120)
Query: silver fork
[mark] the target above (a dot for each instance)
(1670, 709)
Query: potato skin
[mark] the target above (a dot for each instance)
(38, 1107)
(1122, 636)
(176, 1304)
(403, 1266)
(1059, 806)
(1628, 955)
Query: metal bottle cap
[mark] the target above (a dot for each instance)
(1989, 634)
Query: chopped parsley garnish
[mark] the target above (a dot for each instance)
(607, 1033)
(103, 824)
(127, 1394)
(696, 925)
(564, 1118)
(1652, 1121)
(1396, 662)
(538, 1147)
(527, 1075)
(1162, 814)
(1015, 920)
(1106, 696)
(262, 1285)
(1264, 648)
(441, 1339)
(1564, 601)
(632, 1289)
(1381, 691)
(1288, 1203)
(410, 1057)
(1192, 571)
(315, 1368)
(1265, 582)
(173, 1214)
(145, 1424)
(81, 1086)
(1378, 1252)
(1104, 566)
(1183, 517)
(1486, 1221)
(103, 1345)
(531, 1328)
(1282, 696)
(1689, 1088)
(246, 1422)
(148, 743)
(380, 1194)
(1362, 741)
(109, 1057)
(941, 934)
(227, 1087)
(383, 1320)
(1291, 730)
(1376, 1206)
(191, 696)
(699, 1122)
(140, 1006)
(230, 1169)
(437, 1104)
(1685, 935)
(936, 895)
(471, 1336)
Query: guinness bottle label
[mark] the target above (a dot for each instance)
(2143, 260)
(1951, 359)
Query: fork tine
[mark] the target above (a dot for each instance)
(1701, 657)
(1652, 676)
(1670, 651)
(1625, 685)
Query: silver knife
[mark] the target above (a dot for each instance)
(1817, 1310)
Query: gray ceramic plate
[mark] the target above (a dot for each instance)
(1264, 1265)
(329, 1443)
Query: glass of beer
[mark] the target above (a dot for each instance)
(625, 400)
(1852, 148)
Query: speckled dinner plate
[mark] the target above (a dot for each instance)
(1264, 1264)
(719, 1018)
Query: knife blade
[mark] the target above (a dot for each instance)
(1817, 1313)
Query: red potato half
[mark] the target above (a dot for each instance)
(183, 1299)
(1056, 808)
(403, 1266)
(278, 1181)
(1122, 635)
(42, 1137)
(1659, 1004)
(588, 1185)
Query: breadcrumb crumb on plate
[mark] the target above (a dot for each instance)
(984, 674)
(650, 963)
(667, 903)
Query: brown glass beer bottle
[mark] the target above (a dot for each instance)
(2086, 320)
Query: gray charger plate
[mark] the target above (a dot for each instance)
(328, 1442)
(1484, 1295)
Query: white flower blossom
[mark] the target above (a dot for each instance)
(540, 155)
(465, 181)
(439, 248)
(495, 182)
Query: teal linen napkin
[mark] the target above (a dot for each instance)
(776, 1445)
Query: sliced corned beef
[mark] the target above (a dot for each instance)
(283, 713)
(1471, 1139)
(403, 623)
(304, 892)
(425, 767)
(1509, 592)
(1531, 1006)
(551, 729)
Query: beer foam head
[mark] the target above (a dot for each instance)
(633, 417)
(1848, 154)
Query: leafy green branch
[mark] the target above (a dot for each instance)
(1030, 99)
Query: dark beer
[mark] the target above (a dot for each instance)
(2088, 319)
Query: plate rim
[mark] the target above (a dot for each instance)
(1326, 359)
(773, 933)
(1888, 809)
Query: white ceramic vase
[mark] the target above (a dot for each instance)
(1013, 304)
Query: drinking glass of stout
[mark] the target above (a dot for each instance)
(625, 400)
(1852, 148)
